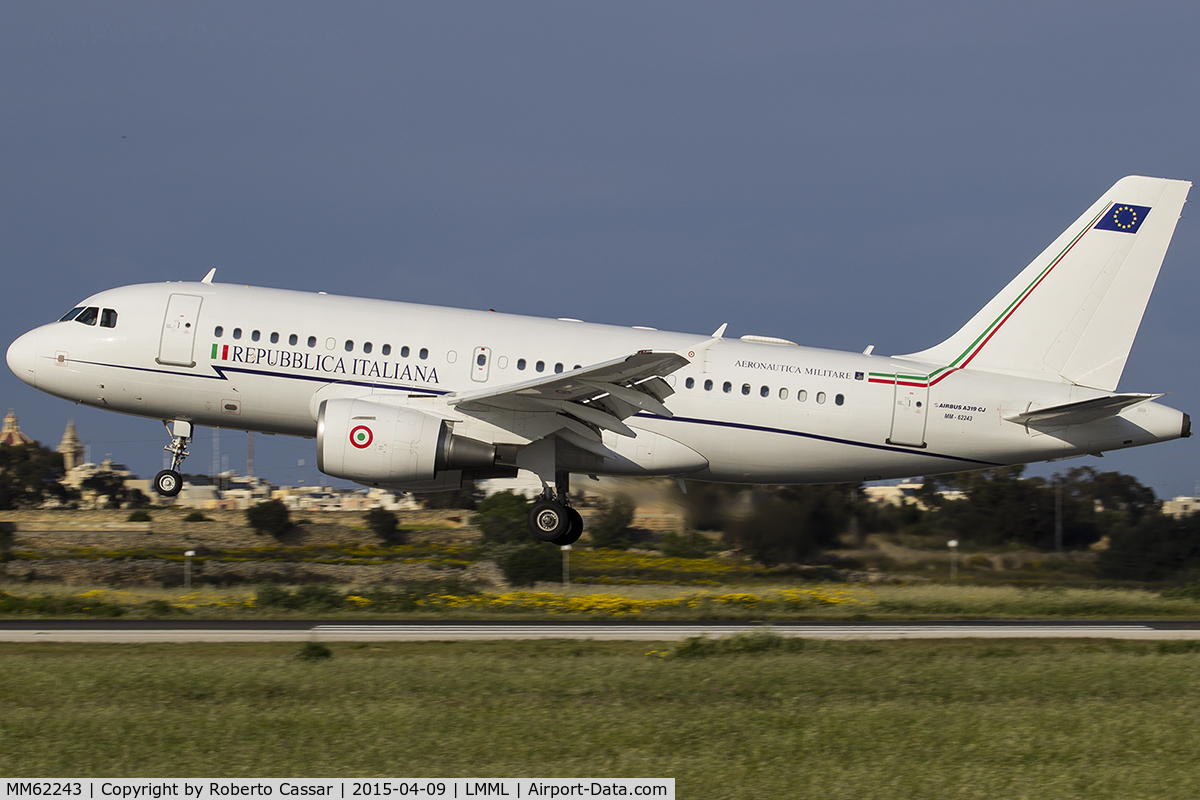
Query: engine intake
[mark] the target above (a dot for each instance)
(375, 443)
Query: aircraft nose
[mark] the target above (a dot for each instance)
(22, 357)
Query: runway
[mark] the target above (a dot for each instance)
(144, 631)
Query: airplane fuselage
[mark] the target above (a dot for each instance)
(260, 359)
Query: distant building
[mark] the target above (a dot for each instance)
(70, 447)
(11, 433)
(1181, 507)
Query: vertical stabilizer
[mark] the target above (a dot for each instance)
(1072, 314)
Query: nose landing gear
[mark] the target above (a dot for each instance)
(168, 482)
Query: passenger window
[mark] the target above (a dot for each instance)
(745, 388)
(802, 395)
(366, 347)
(387, 350)
(89, 316)
(820, 397)
(783, 393)
(349, 345)
(312, 341)
(481, 360)
(764, 391)
(255, 336)
(404, 351)
(540, 366)
(218, 331)
(520, 363)
(690, 383)
(558, 367)
(839, 399)
(727, 387)
(708, 385)
(70, 315)
(108, 318)
(274, 337)
(424, 354)
(293, 339)
(237, 333)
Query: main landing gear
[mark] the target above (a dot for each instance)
(552, 519)
(169, 481)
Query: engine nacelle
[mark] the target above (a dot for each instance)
(382, 444)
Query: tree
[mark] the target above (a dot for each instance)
(788, 524)
(1158, 548)
(29, 476)
(609, 526)
(1002, 507)
(503, 518)
(269, 516)
(383, 523)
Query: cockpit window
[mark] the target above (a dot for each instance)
(108, 318)
(70, 315)
(88, 316)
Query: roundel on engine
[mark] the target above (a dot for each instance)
(361, 437)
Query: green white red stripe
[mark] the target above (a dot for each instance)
(966, 356)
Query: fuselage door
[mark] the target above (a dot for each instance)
(909, 414)
(481, 363)
(179, 330)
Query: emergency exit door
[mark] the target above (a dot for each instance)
(908, 415)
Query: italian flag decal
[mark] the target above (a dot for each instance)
(361, 437)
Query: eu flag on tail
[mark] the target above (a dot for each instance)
(1123, 218)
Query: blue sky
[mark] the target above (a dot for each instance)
(859, 173)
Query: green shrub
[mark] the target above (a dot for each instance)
(527, 565)
(503, 518)
(310, 597)
(270, 517)
(159, 608)
(675, 545)
(760, 640)
(196, 516)
(1189, 592)
(140, 515)
(383, 523)
(314, 651)
(58, 605)
(272, 596)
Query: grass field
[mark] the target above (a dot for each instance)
(906, 719)
(781, 602)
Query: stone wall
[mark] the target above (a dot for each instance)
(159, 572)
(55, 538)
(227, 530)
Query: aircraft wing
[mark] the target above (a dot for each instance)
(1081, 412)
(599, 396)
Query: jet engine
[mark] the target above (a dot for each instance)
(374, 443)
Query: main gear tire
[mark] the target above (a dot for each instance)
(549, 520)
(574, 530)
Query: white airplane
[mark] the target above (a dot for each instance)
(420, 397)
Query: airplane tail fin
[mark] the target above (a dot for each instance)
(1072, 314)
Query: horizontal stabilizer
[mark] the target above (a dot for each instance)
(1081, 412)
